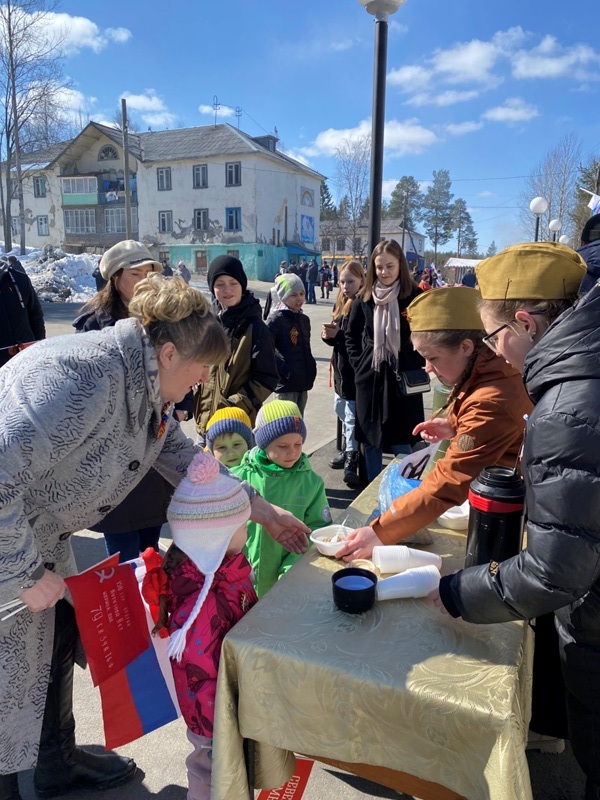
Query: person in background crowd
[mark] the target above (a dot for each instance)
(379, 347)
(94, 415)
(312, 277)
(590, 252)
(293, 268)
(250, 374)
(134, 524)
(427, 281)
(16, 264)
(229, 436)
(282, 269)
(469, 279)
(483, 419)
(183, 272)
(208, 589)
(166, 269)
(325, 281)
(302, 274)
(334, 334)
(290, 329)
(281, 473)
(335, 275)
(527, 292)
(21, 315)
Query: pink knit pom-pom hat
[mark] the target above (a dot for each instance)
(206, 510)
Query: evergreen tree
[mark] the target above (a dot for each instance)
(406, 202)
(466, 238)
(344, 208)
(437, 209)
(328, 209)
(492, 250)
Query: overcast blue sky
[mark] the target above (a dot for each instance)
(481, 89)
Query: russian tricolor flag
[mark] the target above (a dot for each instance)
(141, 697)
(129, 665)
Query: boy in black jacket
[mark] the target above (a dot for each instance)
(290, 329)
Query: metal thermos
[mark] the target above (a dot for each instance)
(497, 508)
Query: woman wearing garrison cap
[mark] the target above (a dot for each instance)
(250, 374)
(483, 415)
(528, 290)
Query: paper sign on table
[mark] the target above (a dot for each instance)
(294, 789)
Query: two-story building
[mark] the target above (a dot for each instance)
(195, 193)
(341, 241)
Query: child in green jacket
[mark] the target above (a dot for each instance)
(281, 473)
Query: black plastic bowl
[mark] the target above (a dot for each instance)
(354, 589)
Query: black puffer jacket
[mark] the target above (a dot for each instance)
(296, 364)
(343, 373)
(21, 316)
(591, 255)
(560, 569)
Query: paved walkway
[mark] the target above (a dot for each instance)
(161, 755)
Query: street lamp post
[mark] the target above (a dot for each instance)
(565, 240)
(554, 226)
(538, 206)
(381, 9)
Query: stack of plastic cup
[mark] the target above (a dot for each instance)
(398, 558)
(417, 582)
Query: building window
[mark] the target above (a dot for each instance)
(325, 243)
(356, 244)
(163, 255)
(114, 220)
(340, 243)
(108, 153)
(39, 187)
(200, 176)
(15, 226)
(233, 173)
(163, 178)
(80, 185)
(165, 221)
(80, 220)
(201, 219)
(42, 226)
(233, 219)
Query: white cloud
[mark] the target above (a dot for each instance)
(387, 187)
(513, 110)
(295, 155)
(410, 78)
(151, 108)
(485, 193)
(397, 27)
(462, 128)
(80, 33)
(447, 98)
(341, 45)
(550, 60)
(408, 137)
(467, 62)
(224, 111)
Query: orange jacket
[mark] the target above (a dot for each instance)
(487, 416)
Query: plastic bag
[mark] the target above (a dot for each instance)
(394, 484)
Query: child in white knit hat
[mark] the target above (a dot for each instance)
(208, 589)
(281, 473)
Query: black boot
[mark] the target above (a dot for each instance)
(338, 461)
(9, 787)
(351, 469)
(61, 765)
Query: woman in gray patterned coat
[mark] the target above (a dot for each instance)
(82, 420)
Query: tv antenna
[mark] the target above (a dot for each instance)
(216, 106)
(238, 114)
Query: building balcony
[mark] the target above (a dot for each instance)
(112, 198)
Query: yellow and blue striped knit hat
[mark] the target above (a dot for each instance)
(277, 418)
(229, 420)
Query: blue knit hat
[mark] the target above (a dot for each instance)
(277, 418)
(229, 420)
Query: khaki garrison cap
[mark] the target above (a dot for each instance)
(450, 308)
(531, 271)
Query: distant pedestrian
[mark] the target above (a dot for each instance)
(312, 276)
(166, 269)
(335, 273)
(184, 272)
(469, 279)
(325, 281)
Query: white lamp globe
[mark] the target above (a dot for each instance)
(379, 7)
(538, 206)
(565, 240)
(554, 225)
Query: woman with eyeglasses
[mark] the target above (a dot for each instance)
(483, 416)
(527, 291)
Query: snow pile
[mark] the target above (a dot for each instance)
(60, 277)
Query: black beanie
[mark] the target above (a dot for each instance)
(591, 229)
(227, 265)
